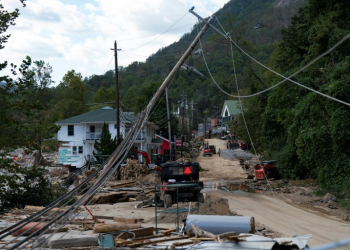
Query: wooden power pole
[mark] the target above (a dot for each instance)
(169, 128)
(117, 90)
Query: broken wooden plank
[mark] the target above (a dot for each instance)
(103, 217)
(113, 227)
(145, 242)
(125, 184)
(125, 220)
(181, 243)
(39, 208)
(113, 197)
(168, 231)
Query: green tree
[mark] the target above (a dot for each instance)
(19, 186)
(106, 145)
(306, 132)
(40, 122)
(70, 96)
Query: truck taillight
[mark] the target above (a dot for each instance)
(187, 170)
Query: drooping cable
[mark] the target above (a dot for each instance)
(159, 34)
(287, 78)
(252, 143)
(137, 38)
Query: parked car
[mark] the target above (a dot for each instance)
(224, 137)
(213, 149)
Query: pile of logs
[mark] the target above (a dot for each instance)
(132, 170)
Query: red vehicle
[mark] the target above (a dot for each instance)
(207, 151)
(268, 169)
(157, 159)
(245, 145)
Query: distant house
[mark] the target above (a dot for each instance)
(229, 111)
(165, 144)
(78, 134)
(197, 51)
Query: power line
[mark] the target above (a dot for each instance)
(287, 78)
(136, 38)
(159, 34)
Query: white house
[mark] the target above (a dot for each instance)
(78, 134)
(229, 111)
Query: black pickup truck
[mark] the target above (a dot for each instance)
(181, 178)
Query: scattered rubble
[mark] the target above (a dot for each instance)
(133, 170)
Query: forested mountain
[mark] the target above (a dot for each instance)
(254, 24)
(305, 132)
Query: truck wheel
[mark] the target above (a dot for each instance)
(168, 201)
(204, 155)
(211, 155)
(200, 198)
(158, 201)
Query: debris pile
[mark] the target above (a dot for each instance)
(132, 170)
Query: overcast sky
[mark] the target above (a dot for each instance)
(78, 34)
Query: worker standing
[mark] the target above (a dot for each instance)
(219, 151)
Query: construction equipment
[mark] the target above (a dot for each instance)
(268, 169)
(156, 160)
(231, 142)
(143, 153)
(175, 178)
(213, 149)
(207, 151)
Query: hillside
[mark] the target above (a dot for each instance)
(240, 17)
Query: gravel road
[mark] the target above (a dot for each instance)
(286, 219)
(275, 214)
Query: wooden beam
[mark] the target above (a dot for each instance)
(140, 232)
(113, 227)
(156, 241)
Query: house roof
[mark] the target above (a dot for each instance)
(163, 138)
(232, 107)
(105, 114)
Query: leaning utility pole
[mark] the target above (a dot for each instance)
(117, 90)
(169, 128)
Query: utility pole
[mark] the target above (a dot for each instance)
(188, 122)
(169, 128)
(183, 122)
(192, 113)
(117, 90)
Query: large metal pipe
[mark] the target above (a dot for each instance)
(217, 224)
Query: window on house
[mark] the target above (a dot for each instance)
(115, 126)
(74, 150)
(92, 129)
(80, 149)
(226, 113)
(70, 130)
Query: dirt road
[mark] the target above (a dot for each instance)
(217, 167)
(275, 214)
(284, 218)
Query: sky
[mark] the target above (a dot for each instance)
(79, 34)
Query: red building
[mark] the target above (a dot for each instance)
(165, 144)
